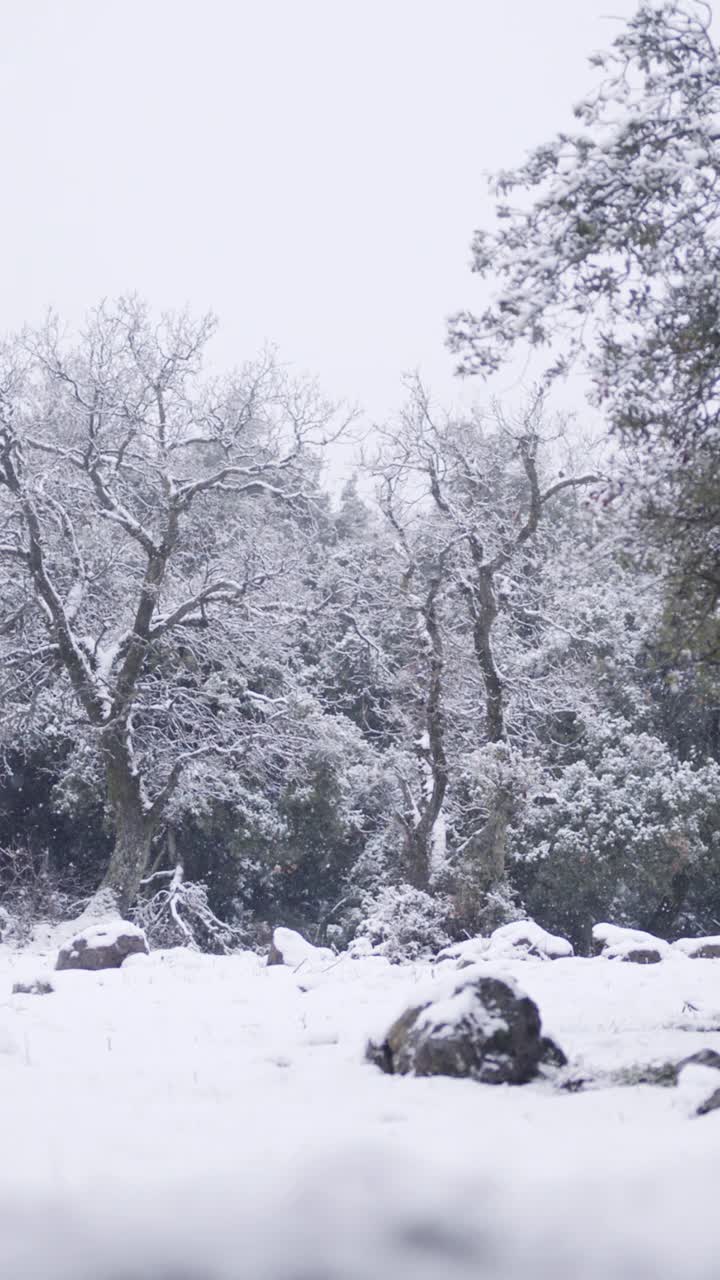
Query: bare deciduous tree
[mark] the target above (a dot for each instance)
(480, 497)
(136, 554)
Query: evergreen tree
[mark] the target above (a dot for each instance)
(608, 253)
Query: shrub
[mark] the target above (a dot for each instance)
(404, 923)
(178, 915)
(29, 891)
(619, 835)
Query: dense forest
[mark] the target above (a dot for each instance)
(477, 684)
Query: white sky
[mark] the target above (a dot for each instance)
(312, 170)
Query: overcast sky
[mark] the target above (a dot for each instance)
(312, 170)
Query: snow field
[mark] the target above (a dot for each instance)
(197, 1118)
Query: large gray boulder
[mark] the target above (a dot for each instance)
(480, 1025)
(103, 946)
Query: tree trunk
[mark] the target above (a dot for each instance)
(417, 854)
(420, 831)
(662, 920)
(484, 865)
(415, 859)
(485, 855)
(484, 613)
(418, 827)
(493, 838)
(133, 830)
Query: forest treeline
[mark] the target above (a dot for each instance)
(479, 683)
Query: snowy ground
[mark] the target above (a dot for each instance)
(194, 1118)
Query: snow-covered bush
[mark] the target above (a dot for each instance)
(627, 834)
(178, 915)
(280, 852)
(490, 910)
(30, 892)
(403, 923)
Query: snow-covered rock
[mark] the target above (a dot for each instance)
(612, 935)
(462, 954)
(699, 948)
(632, 945)
(37, 986)
(102, 946)
(632, 953)
(521, 940)
(479, 1025)
(527, 937)
(290, 948)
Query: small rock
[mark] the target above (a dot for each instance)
(480, 1026)
(635, 955)
(699, 948)
(551, 1055)
(103, 946)
(37, 987)
(662, 1074)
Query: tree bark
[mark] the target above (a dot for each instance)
(662, 920)
(484, 865)
(484, 612)
(133, 828)
(420, 829)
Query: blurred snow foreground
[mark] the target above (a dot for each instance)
(192, 1117)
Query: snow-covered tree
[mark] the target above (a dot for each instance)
(473, 540)
(627, 832)
(150, 525)
(607, 253)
